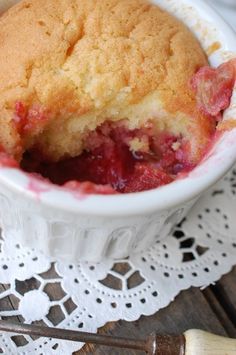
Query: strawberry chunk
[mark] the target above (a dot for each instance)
(146, 177)
(29, 119)
(214, 88)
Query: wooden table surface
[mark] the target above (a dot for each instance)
(213, 309)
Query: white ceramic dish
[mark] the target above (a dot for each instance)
(96, 227)
(228, 2)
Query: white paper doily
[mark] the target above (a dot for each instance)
(198, 253)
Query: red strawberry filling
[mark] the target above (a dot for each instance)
(109, 160)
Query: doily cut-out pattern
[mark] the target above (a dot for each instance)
(86, 296)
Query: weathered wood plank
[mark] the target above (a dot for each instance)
(5, 303)
(220, 312)
(225, 291)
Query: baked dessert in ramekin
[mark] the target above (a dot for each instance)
(110, 97)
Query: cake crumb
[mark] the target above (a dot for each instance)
(213, 48)
(176, 146)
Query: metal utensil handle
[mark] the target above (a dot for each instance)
(152, 345)
(77, 336)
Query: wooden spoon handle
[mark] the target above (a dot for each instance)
(202, 343)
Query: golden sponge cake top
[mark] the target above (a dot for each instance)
(90, 60)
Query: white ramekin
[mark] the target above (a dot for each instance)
(91, 228)
(228, 2)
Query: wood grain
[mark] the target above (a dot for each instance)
(225, 291)
(220, 312)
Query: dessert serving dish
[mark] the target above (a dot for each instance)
(77, 224)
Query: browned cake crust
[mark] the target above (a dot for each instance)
(82, 62)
